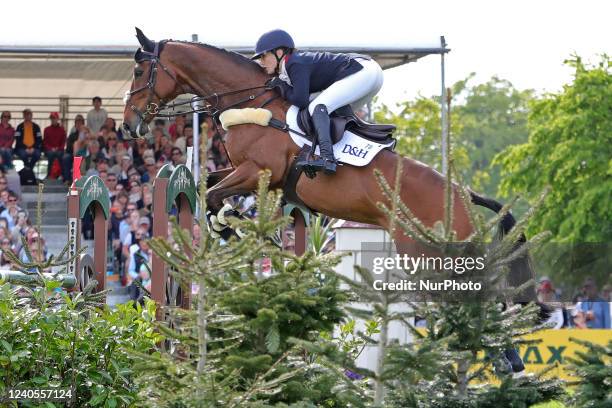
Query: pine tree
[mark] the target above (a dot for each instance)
(593, 368)
(239, 346)
(471, 334)
(451, 362)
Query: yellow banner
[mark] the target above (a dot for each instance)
(555, 347)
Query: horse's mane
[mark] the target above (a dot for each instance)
(234, 56)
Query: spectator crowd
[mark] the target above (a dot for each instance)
(127, 167)
(589, 309)
(96, 139)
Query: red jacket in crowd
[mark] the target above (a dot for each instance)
(54, 138)
(7, 136)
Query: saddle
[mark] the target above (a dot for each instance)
(344, 118)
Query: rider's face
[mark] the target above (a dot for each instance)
(268, 62)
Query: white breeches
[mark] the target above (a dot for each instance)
(355, 90)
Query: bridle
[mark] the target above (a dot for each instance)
(210, 107)
(151, 108)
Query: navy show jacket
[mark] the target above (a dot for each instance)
(313, 72)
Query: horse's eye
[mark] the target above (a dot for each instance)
(138, 72)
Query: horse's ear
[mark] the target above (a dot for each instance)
(147, 44)
(138, 55)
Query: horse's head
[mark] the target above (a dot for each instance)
(154, 83)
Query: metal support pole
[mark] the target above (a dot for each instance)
(64, 108)
(444, 112)
(196, 137)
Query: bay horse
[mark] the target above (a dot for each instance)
(167, 69)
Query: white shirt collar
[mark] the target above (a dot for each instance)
(283, 73)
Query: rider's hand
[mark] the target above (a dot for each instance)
(277, 83)
(274, 82)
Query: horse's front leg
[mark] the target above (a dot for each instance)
(242, 180)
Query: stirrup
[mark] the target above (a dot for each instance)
(310, 167)
(329, 166)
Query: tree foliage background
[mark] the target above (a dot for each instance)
(509, 142)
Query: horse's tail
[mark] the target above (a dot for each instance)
(520, 269)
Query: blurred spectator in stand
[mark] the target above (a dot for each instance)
(160, 142)
(21, 226)
(5, 246)
(133, 175)
(210, 130)
(92, 156)
(3, 192)
(102, 136)
(196, 235)
(147, 200)
(166, 152)
(111, 184)
(34, 241)
(75, 138)
(176, 128)
(54, 140)
(123, 173)
(28, 140)
(141, 151)
(596, 309)
(180, 140)
(144, 279)
(177, 156)
(150, 170)
(85, 137)
(141, 255)
(607, 295)
(101, 168)
(130, 220)
(110, 148)
(11, 210)
(4, 233)
(136, 194)
(160, 124)
(96, 116)
(547, 296)
(145, 224)
(218, 153)
(188, 132)
(129, 236)
(111, 125)
(7, 138)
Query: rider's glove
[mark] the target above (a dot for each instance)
(278, 83)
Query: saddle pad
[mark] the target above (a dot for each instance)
(351, 149)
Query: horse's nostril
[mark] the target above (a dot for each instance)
(126, 126)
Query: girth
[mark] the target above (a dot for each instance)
(290, 185)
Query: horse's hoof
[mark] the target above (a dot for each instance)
(221, 213)
(241, 234)
(216, 226)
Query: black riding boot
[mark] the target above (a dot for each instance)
(327, 162)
